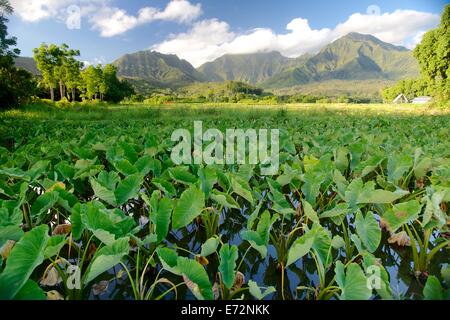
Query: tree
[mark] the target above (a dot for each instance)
(433, 55)
(48, 59)
(116, 90)
(16, 86)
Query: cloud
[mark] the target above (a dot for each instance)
(37, 10)
(208, 40)
(114, 21)
(110, 21)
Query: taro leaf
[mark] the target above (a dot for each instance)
(13, 233)
(86, 168)
(164, 186)
(26, 255)
(208, 178)
(397, 166)
(433, 289)
(256, 292)
(401, 214)
(163, 216)
(259, 239)
(256, 242)
(194, 273)
(10, 214)
(147, 164)
(310, 213)
(106, 258)
(54, 246)
(209, 247)
(38, 169)
(242, 188)
(280, 204)
(125, 167)
(103, 193)
(44, 203)
(30, 292)
(106, 225)
(224, 199)
(433, 211)
(341, 159)
(340, 182)
(128, 189)
(190, 206)
(360, 193)
(317, 239)
(169, 260)
(371, 264)
(353, 282)
(228, 258)
(182, 175)
(15, 173)
(368, 230)
(337, 242)
(300, 248)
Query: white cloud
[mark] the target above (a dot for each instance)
(114, 21)
(209, 39)
(110, 21)
(37, 10)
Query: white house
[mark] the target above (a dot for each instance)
(422, 100)
(401, 99)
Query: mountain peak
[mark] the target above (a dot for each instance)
(368, 38)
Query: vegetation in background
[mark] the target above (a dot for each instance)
(59, 68)
(433, 55)
(16, 85)
(359, 187)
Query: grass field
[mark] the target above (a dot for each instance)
(360, 186)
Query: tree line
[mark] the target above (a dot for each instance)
(433, 55)
(61, 71)
(61, 74)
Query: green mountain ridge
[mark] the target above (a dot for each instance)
(353, 57)
(157, 69)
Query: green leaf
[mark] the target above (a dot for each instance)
(224, 199)
(26, 255)
(30, 292)
(310, 213)
(182, 175)
(189, 207)
(44, 203)
(433, 289)
(209, 247)
(242, 188)
(106, 258)
(54, 246)
(128, 189)
(125, 167)
(163, 216)
(103, 193)
(353, 282)
(195, 273)
(256, 292)
(368, 230)
(169, 260)
(300, 248)
(228, 258)
(164, 186)
(401, 214)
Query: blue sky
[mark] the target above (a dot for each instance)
(202, 30)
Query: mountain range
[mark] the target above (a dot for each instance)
(354, 57)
